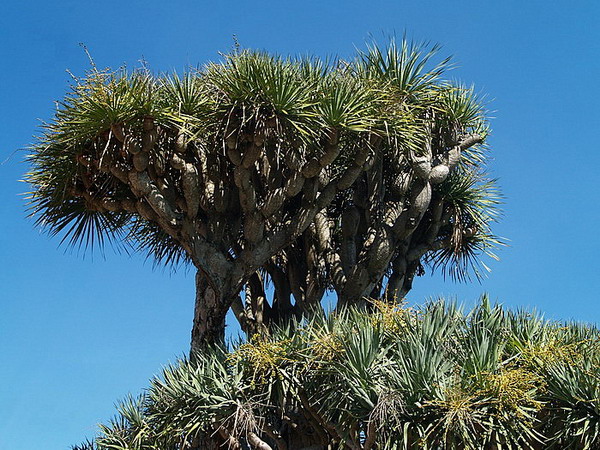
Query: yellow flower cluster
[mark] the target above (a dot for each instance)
(552, 351)
(460, 408)
(513, 388)
(326, 346)
(390, 316)
(262, 356)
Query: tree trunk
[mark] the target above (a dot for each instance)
(209, 315)
(206, 441)
(208, 329)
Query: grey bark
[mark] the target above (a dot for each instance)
(209, 315)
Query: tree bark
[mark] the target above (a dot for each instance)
(209, 315)
(206, 441)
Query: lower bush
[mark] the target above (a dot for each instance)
(390, 378)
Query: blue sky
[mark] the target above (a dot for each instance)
(78, 332)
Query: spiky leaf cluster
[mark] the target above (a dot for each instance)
(432, 377)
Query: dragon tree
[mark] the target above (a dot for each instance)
(311, 176)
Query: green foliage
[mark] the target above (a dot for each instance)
(294, 105)
(394, 378)
(475, 204)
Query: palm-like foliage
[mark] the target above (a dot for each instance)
(397, 378)
(317, 175)
(473, 205)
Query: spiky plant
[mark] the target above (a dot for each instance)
(312, 175)
(431, 377)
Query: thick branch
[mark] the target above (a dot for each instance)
(257, 442)
(334, 262)
(316, 270)
(282, 304)
(253, 223)
(251, 259)
(470, 141)
(143, 187)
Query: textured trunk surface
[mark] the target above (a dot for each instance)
(209, 315)
(206, 442)
(208, 329)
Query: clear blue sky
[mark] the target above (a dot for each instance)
(76, 333)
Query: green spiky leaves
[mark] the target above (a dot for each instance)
(396, 378)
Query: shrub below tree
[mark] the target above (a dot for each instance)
(396, 378)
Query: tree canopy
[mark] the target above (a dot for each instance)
(310, 174)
